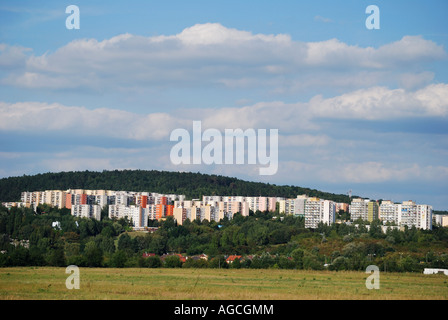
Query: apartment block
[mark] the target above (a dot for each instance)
(388, 212)
(372, 211)
(90, 211)
(294, 207)
(318, 210)
(342, 206)
(54, 198)
(141, 206)
(359, 209)
(441, 219)
(135, 214)
(407, 213)
(180, 215)
(151, 211)
(164, 210)
(424, 216)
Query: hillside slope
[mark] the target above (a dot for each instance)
(193, 185)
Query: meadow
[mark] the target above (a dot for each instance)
(49, 283)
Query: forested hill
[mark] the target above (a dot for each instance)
(192, 185)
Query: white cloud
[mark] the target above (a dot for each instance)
(304, 140)
(378, 172)
(408, 49)
(322, 19)
(102, 122)
(292, 119)
(12, 57)
(215, 33)
(383, 103)
(211, 54)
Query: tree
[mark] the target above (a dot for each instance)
(172, 262)
(340, 263)
(56, 257)
(19, 256)
(125, 242)
(154, 262)
(236, 264)
(118, 259)
(107, 244)
(193, 263)
(298, 255)
(93, 255)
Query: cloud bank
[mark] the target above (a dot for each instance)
(210, 53)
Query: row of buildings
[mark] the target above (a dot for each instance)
(70, 197)
(407, 213)
(140, 207)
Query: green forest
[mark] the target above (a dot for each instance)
(192, 185)
(263, 239)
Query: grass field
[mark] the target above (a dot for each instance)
(210, 284)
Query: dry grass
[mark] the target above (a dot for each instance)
(212, 284)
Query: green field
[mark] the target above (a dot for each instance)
(209, 284)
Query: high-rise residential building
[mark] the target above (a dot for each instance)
(372, 211)
(68, 200)
(441, 219)
(312, 212)
(122, 198)
(319, 210)
(135, 214)
(299, 205)
(180, 215)
(101, 199)
(54, 198)
(151, 211)
(294, 207)
(164, 210)
(424, 216)
(342, 206)
(359, 209)
(91, 211)
(211, 199)
(388, 212)
(210, 213)
(407, 213)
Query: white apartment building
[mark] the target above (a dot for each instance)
(407, 213)
(294, 207)
(424, 214)
(319, 210)
(151, 211)
(136, 214)
(180, 214)
(207, 199)
(441, 219)
(100, 199)
(359, 209)
(54, 198)
(90, 211)
(121, 198)
(388, 212)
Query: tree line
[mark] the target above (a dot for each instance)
(192, 185)
(263, 240)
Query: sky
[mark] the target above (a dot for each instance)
(356, 109)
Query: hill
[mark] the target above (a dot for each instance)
(192, 185)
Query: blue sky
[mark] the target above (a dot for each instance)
(356, 109)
